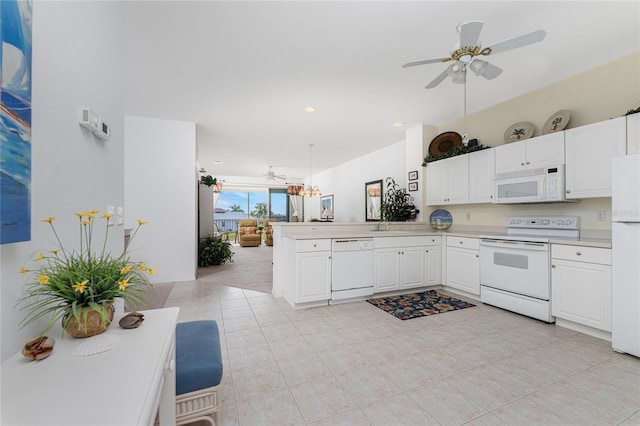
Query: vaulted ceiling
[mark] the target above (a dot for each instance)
(245, 71)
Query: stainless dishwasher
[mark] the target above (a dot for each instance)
(352, 271)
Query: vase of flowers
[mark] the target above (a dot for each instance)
(80, 286)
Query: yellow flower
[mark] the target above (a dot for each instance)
(125, 269)
(142, 267)
(85, 222)
(94, 212)
(142, 222)
(79, 287)
(54, 252)
(151, 271)
(24, 270)
(80, 215)
(90, 215)
(43, 279)
(49, 219)
(123, 284)
(107, 216)
(39, 257)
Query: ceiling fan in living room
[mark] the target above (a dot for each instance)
(270, 175)
(464, 54)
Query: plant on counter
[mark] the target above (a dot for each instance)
(69, 282)
(633, 111)
(213, 250)
(397, 205)
(208, 180)
(453, 152)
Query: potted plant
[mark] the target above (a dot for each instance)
(80, 286)
(396, 204)
(213, 250)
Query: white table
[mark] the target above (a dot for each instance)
(123, 386)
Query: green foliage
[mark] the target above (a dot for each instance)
(396, 205)
(212, 250)
(633, 111)
(455, 151)
(260, 210)
(235, 208)
(70, 280)
(208, 180)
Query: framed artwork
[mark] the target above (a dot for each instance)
(413, 186)
(326, 207)
(372, 200)
(15, 117)
(413, 175)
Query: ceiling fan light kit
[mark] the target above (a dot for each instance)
(464, 54)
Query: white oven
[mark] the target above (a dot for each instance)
(515, 269)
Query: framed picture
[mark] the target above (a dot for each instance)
(413, 175)
(413, 186)
(326, 207)
(372, 200)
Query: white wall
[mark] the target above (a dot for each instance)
(161, 188)
(346, 182)
(71, 170)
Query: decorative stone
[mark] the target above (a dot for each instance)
(131, 320)
(38, 348)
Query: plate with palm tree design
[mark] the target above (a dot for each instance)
(518, 132)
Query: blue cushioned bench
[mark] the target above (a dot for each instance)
(198, 372)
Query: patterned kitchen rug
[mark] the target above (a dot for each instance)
(414, 305)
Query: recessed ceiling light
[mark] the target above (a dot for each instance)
(398, 124)
(309, 109)
(217, 161)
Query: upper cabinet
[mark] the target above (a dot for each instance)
(589, 150)
(633, 133)
(481, 170)
(541, 151)
(448, 181)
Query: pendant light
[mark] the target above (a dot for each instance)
(310, 190)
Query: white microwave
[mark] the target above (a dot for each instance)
(543, 185)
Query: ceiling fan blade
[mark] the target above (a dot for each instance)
(469, 33)
(523, 40)
(491, 72)
(437, 80)
(424, 62)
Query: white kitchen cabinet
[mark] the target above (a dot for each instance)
(310, 273)
(534, 153)
(633, 133)
(481, 172)
(581, 285)
(433, 261)
(463, 264)
(589, 151)
(399, 263)
(448, 181)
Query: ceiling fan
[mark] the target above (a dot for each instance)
(271, 175)
(465, 51)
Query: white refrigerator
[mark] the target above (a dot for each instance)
(625, 244)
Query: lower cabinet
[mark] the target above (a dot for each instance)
(433, 261)
(463, 264)
(312, 272)
(399, 263)
(581, 285)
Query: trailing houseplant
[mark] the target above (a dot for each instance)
(71, 284)
(208, 180)
(213, 250)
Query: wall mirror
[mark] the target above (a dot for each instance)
(373, 200)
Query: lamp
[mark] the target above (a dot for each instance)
(478, 66)
(310, 190)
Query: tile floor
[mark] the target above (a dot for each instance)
(353, 364)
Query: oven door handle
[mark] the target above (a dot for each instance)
(515, 245)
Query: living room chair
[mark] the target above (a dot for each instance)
(248, 235)
(268, 231)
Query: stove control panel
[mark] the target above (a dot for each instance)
(544, 222)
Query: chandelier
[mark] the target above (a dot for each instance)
(310, 190)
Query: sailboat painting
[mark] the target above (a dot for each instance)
(15, 121)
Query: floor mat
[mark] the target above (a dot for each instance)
(414, 305)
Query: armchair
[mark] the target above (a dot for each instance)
(268, 231)
(248, 235)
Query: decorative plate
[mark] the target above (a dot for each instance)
(444, 142)
(556, 122)
(518, 132)
(440, 219)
